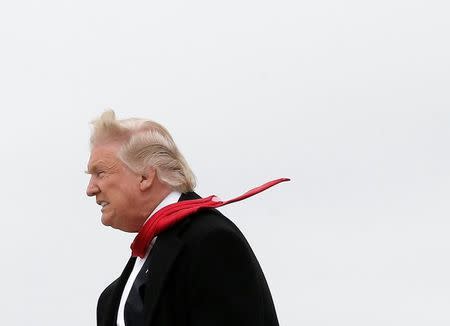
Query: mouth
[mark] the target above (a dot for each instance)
(103, 204)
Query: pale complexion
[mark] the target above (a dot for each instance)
(127, 198)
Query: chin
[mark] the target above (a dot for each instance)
(124, 228)
(109, 220)
(106, 221)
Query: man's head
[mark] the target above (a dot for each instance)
(134, 164)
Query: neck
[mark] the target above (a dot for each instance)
(155, 196)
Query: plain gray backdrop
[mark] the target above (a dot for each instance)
(350, 99)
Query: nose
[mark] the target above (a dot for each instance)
(92, 188)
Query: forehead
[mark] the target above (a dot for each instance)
(103, 154)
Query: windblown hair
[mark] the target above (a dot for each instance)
(145, 143)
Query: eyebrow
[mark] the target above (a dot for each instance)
(89, 171)
(94, 167)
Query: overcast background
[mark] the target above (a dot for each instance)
(350, 99)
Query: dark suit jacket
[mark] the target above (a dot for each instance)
(201, 272)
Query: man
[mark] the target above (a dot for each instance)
(193, 267)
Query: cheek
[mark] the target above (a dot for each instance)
(126, 196)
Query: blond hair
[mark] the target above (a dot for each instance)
(145, 143)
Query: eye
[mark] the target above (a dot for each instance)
(100, 174)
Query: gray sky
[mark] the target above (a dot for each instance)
(349, 99)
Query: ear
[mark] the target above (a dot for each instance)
(147, 179)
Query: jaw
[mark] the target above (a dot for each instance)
(107, 218)
(122, 224)
(105, 221)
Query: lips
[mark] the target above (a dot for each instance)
(103, 204)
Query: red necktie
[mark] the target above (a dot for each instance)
(171, 214)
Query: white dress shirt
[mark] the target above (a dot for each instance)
(173, 197)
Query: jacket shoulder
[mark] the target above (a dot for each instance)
(205, 222)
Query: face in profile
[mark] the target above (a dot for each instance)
(115, 187)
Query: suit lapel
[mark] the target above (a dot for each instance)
(164, 254)
(113, 306)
